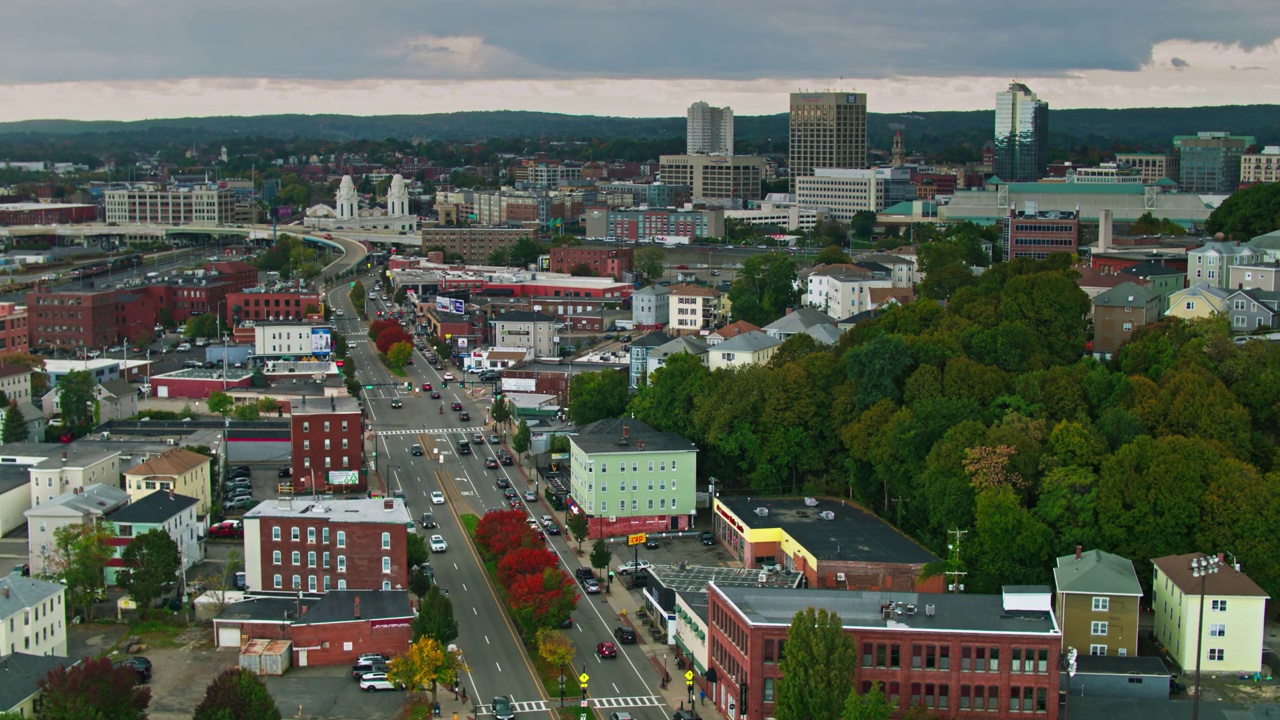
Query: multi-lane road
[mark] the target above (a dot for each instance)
(496, 660)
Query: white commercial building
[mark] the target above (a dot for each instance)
(292, 340)
(1262, 167)
(844, 192)
(783, 215)
(183, 206)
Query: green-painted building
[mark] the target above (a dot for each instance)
(1156, 275)
(630, 478)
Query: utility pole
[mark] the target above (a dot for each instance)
(953, 561)
(900, 501)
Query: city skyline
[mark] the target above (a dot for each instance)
(144, 59)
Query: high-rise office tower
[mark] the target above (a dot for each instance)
(1209, 162)
(1022, 134)
(828, 130)
(710, 130)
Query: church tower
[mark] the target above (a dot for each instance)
(347, 203)
(899, 152)
(397, 197)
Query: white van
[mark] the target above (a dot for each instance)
(201, 342)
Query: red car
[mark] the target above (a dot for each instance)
(227, 529)
(606, 650)
(426, 387)
(455, 406)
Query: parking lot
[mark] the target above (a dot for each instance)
(685, 564)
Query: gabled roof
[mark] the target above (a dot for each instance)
(684, 344)
(118, 388)
(152, 509)
(880, 296)
(1094, 278)
(1265, 298)
(17, 592)
(687, 290)
(1230, 249)
(1266, 241)
(652, 290)
(7, 370)
(1096, 572)
(734, 329)
(1202, 289)
(1227, 582)
(652, 340)
(825, 334)
(1126, 294)
(173, 462)
(751, 342)
(797, 321)
(20, 675)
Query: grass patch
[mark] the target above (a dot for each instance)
(470, 522)
(398, 372)
(551, 680)
(154, 633)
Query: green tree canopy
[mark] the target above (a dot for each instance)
(15, 425)
(436, 619)
(831, 255)
(765, 288)
(818, 670)
(93, 690)
(220, 403)
(1247, 213)
(79, 559)
(152, 562)
(75, 397)
(525, 251)
(597, 396)
(649, 262)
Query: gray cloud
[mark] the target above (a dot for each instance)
(342, 39)
(1179, 63)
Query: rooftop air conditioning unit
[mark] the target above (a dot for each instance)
(841, 578)
(762, 511)
(930, 610)
(811, 502)
(827, 515)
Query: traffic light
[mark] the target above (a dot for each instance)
(368, 387)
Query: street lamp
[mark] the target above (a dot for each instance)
(1201, 567)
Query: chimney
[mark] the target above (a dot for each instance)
(356, 610)
(1079, 549)
(388, 504)
(170, 492)
(64, 457)
(6, 591)
(1104, 230)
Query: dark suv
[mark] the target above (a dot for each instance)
(138, 664)
(584, 573)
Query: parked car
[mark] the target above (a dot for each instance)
(495, 440)
(364, 667)
(591, 586)
(284, 471)
(238, 491)
(707, 538)
(606, 649)
(625, 635)
(227, 529)
(244, 502)
(373, 682)
(372, 657)
(651, 544)
(238, 469)
(584, 573)
(629, 567)
(530, 496)
(139, 664)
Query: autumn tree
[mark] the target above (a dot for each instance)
(435, 618)
(542, 600)
(597, 396)
(151, 561)
(554, 648)
(579, 527)
(93, 689)
(377, 326)
(390, 337)
(399, 354)
(79, 559)
(236, 694)
(817, 673)
(524, 561)
(989, 467)
(498, 533)
(422, 666)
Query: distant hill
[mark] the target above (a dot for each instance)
(1150, 128)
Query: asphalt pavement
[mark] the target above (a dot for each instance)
(496, 659)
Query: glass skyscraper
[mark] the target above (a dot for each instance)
(1022, 134)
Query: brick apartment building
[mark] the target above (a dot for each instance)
(250, 305)
(14, 333)
(474, 244)
(72, 319)
(1033, 233)
(316, 546)
(961, 656)
(327, 444)
(603, 262)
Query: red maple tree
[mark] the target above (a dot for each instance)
(524, 561)
(542, 600)
(500, 532)
(377, 326)
(391, 336)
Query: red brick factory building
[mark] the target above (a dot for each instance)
(327, 444)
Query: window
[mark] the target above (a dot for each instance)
(342, 563)
(326, 426)
(1101, 604)
(768, 689)
(1217, 654)
(275, 557)
(386, 584)
(342, 583)
(295, 557)
(1218, 630)
(311, 535)
(295, 534)
(326, 583)
(306, 427)
(324, 560)
(277, 582)
(386, 564)
(1218, 605)
(311, 559)
(1100, 650)
(324, 535)
(275, 534)
(342, 538)
(1127, 327)
(866, 654)
(297, 582)
(1098, 627)
(386, 541)
(306, 444)
(895, 656)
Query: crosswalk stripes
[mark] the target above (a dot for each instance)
(600, 703)
(434, 431)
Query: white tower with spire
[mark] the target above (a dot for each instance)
(347, 202)
(397, 197)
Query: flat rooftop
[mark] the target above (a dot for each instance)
(853, 534)
(362, 510)
(232, 374)
(909, 611)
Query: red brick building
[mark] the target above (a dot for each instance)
(71, 319)
(328, 446)
(14, 333)
(47, 213)
(236, 273)
(603, 262)
(961, 656)
(334, 629)
(249, 305)
(1037, 234)
(316, 546)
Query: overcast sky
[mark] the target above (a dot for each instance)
(128, 59)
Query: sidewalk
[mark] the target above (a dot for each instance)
(624, 604)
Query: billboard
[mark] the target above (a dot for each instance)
(451, 305)
(344, 477)
(321, 341)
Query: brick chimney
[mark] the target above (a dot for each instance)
(170, 492)
(388, 504)
(356, 610)
(1079, 550)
